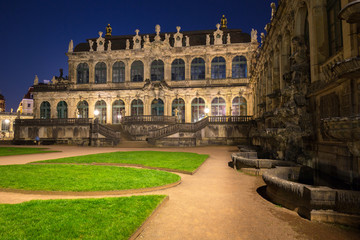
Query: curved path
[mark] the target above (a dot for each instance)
(215, 203)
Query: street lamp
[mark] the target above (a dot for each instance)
(96, 113)
(7, 121)
(207, 112)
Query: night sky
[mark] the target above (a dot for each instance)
(35, 34)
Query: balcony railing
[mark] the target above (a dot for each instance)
(149, 119)
(53, 121)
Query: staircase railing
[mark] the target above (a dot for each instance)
(105, 131)
(149, 118)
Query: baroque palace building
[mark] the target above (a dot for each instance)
(189, 75)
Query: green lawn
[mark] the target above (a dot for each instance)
(52, 177)
(104, 218)
(171, 160)
(8, 151)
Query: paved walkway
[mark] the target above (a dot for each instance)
(215, 203)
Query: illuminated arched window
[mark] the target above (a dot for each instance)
(118, 109)
(82, 109)
(5, 125)
(100, 72)
(197, 109)
(62, 109)
(157, 70)
(178, 70)
(218, 68)
(45, 110)
(118, 72)
(157, 107)
(137, 107)
(100, 107)
(218, 107)
(137, 71)
(239, 67)
(178, 104)
(82, 73)
(239, 107)
(197, 69)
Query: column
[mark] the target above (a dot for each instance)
(91, 72)
(187, 68)
(109, 71)
(187, 109)
(127, 70)
(147, 64)
(207, 67)
(109, 110)
(228, 60)
(167, 69)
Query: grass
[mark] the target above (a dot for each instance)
(104, 218)
(8, 151)
(53, 177)
(170, 160)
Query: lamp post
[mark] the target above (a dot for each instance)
(207, 112)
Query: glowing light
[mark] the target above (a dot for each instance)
(7, 121)
(207, 110)
(96, 112)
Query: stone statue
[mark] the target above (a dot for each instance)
(127, 44)
(167, 38)
(273, 9)
(223, 22)
(71, 46)
(36, 80)
(228, 39)
(207, 39)
(108, 30)
(187, 41)
(253, 35)
(157, 30)
(299, 57)
(109, 46)
(91, 43)
(146, 39)
(178, 29)
(262, 36)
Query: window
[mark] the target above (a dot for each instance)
(82, 73)
(157, 70)
(137, 71)
(118, 72)
(198, 69)
(239, 67)
(118, 109)
(100, 106)
(334, 26)
(82, 109)
(157, 107)
(239, 107)
(62, 110)
(29, 105)
(45, 110)
(178, 105)
(100, 72)
(5, 125)
(137, 107)
(218, 107)
(178, 70)
(197, 109)
(218, 68)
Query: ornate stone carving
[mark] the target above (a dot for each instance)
(178, 38)
(254, 36)
(218, 35)
(91, 43)
(187, 41)
(207, 39)
(137, 40)
(36, 80)
(273, 9)
(127, 44)
(71, 46)
(100, 43)
(228, 41)
(157, 30)
(109, 46)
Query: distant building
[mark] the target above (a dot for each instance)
(27, 103)
(2, 103)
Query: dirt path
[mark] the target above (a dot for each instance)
(215, 203)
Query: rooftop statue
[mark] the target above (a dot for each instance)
(223, 22)
(108, 30)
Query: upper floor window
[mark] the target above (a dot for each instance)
(334, 26)
(45, 110)
(157, 70)
(239, 67)
(82, 73)
(178, 70)
(5, 125)
(198, 69)
(100, 72)
(218, 68)
(62, 109)
(137, 71)
(118, 72)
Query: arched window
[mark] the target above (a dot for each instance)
(178, 70)
(62, 110)
(5, 125)
(178, 106)
(334, 26)
(157, 107)
(239, 67)
(82, 109)
(137, 107)
(218, 68)
(197, 109)
(197, 69)
(118, 72)
(118, 109)
(157, 70)
(239, 107)
(45, 110)
(137, 71)
(100, 72)
(82, 73)
(218, 107)
(100, 109)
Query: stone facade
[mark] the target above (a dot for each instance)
(7, 121)
(306, 82)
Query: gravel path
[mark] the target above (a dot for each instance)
(215, 203)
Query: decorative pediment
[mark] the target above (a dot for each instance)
(218, 35)
(137, 40)
(100, 42)
(178, 38)
(157, 88)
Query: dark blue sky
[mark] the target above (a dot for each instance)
(35, 34)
